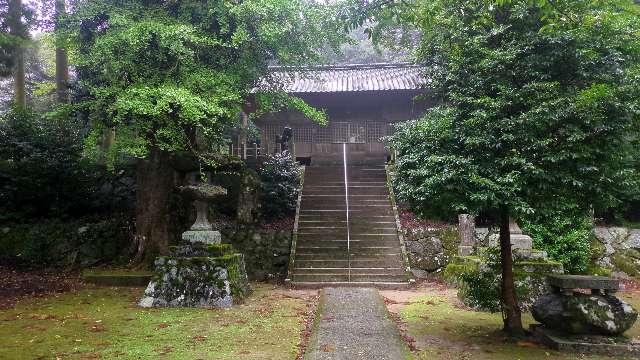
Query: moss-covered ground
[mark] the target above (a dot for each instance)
(105, 323)
(438, 326)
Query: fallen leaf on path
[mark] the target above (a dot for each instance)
(328, 348)
(162, 326)
(97, 328)
(527, 344)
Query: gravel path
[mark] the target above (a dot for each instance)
(353, 323)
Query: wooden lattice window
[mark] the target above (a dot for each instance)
(376, 131)
(322, 135)
(303, 134)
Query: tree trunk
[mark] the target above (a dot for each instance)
(62, 61)
(154, 183)
(16, 29)
(510, 309)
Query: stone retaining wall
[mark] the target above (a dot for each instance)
(430, 249)
(617, 248)
(266, 252)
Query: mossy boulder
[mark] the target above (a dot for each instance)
(585, 314)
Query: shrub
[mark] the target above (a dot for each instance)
(479, 279)
(58, 243)
(280, 176)
(564, 233)
(43, 174)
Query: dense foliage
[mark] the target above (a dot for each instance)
(43, 174)
(540, 106)
(159, 78)
(280, 177)
(165, 73)
(10, 38)
(66, 243)
(565, 233)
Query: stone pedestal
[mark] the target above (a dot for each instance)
(197, 275)
(202, 236)
(584, 322)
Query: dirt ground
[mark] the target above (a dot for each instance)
(18, 284)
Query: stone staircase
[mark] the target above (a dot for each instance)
(335, 248)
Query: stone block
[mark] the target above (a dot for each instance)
(583, 282)
(465, 250)
(618, 346)
(202, 236)
(521, 242)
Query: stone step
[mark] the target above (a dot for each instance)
(355, 284)
(322, 254)
(359, 228)
(354, 237)
(386, 270)
(393, 263)
(372, 277)
(353, 244)
(342, 250)
(340, 199)
(340, 190)
(390, 222)
(355, 256)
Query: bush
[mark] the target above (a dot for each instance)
(43, 173)
(564, 233)
(280, 176)
(58, 243)
(478, 279)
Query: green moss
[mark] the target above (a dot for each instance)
(233, 263)
(594, 269)
(450, 241)
(220, 249)
(106, 323)
(625, 263)
(597, 249)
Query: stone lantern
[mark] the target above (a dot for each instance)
(202, 194)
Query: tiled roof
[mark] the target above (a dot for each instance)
(346, 78)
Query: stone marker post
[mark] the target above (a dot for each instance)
(467, 234)
(520, 242)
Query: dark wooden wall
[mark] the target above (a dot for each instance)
(360, 117)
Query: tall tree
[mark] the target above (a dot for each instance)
(18, 32)
(165, 74)
(540, 105)
(62, 61)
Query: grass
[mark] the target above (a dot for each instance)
(106, 323)
(443, 329)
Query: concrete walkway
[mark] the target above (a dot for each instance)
(353, 323)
